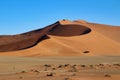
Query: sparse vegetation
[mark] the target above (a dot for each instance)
(20, 77)
(72, 69)
(66, 65)
(86, 52)
(83, 65)
(47, 65)
(101, 64)
(36, 71)
(23, 71)
(74, 65)
(91, 66)
(107, 75)
(60, 66)
(66, 78)
(53, 68)
(49, 74)
(117, 64)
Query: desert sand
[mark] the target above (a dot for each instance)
(60, 68)
(64, 50)
(64, 38)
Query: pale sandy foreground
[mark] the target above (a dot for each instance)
(60, 68)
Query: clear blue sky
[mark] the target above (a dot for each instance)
(18, 16)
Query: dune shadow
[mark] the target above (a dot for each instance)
(39, 40)
(69, 30)
(30, 39)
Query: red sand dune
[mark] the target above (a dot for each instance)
(64, 38)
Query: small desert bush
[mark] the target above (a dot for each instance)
(107, 75)
(60, 66)
(66, 65)
(53, 68)
(20, 77)
(49, 74)
(83, 65)
(47, 65)
(36, 71)
(23, 71)
(86, 52)
(66, 78)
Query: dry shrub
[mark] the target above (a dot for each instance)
(23, 71)
(49, 74)
(66, 78)
(86, 52)
(107, 75)
(20, 77)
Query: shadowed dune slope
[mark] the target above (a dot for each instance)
(69, 30)
(64, 38)
(23, 41)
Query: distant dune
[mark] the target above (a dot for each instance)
(64, 38)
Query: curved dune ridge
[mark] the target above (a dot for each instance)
(64, 38)
(69, 30)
